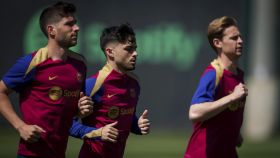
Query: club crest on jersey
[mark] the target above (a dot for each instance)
(132, 93)
(79, 77)
(235, 105)
(55, 93)
(113, 112)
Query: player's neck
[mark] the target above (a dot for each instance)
(56, 52)
(115, 67)
(228, 64)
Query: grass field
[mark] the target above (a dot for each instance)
(155, 145)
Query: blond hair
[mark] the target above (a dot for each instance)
(217, 27)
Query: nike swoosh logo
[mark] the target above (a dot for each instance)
(110, 95)
(52, 77)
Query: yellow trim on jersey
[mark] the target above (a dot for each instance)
(102, 75)
(40, 56)
(219, 70)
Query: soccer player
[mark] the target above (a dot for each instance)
(115, 92)
(49, 82)
(218, 103)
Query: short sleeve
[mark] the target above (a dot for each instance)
(205, 90)
(78, 130)
(16, 78)
(90, 83)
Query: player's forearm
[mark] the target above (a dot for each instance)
(204, 111)
(8, 112)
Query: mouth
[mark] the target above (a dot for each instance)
(74, 36)
(133, 61)
(239, 49)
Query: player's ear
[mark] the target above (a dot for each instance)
(51, 30)
(109, 52)
(217, 43)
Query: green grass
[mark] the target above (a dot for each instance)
(157, 144)
(268, 149)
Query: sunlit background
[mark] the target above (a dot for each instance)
(172, 53)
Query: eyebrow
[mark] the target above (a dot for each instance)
(133, 46)
(73, 21)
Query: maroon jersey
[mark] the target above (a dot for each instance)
(115, 100)
(218, 136)
(49, 93)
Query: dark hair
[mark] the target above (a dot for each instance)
(120, 34)
(217, 27)
(55, 13)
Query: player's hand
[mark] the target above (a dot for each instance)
(240, 91)
(85, 105)
(30, 133)
(110, 133)
(144, 123)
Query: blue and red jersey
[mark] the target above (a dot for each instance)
(218, 136)
(49, 92)
(115, 97)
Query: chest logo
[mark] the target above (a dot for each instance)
(55, 93)
(110, 95)
(235, 105)
(113, 112)
(52, 77)
(79, 77)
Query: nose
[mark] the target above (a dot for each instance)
(76, 27)
(240, 40)
(135, 53)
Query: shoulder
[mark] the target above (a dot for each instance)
(19, 74)
(90, 83)
(26, 59)
(39, 56)
(133, 76)
(206, 87)
(209, 73)
(135, 81)
(22, 64)
(91, 79)
(77, 56)
(213, 73)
